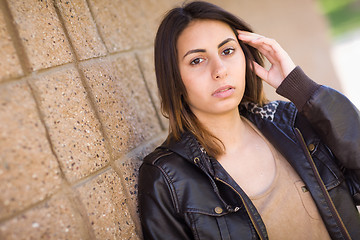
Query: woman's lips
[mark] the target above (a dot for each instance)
(224, 91)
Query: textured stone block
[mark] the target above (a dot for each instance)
(128, 167)
(122, 100)
(146, 59)
(106, 207)
(41, 33)
(81, 28)
(130, 163)
(9, 62)
(73, 128)
(53, 219)
(130, 170)
(127, 24)
(28, 170)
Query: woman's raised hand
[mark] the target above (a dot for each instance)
(281, 63)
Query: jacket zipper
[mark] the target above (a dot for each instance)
(246, 207)
(215, 187)
(332, 208)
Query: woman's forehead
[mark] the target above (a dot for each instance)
(204, 32)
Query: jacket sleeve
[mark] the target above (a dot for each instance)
(333, 116)
(158, 215)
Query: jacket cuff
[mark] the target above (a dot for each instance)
(297, 87)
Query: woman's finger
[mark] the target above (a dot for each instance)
(268, 47)
(260, 71)
(251, 38)
(272, 77)
(257, 40)
(263, 44)
(281, 63)
(249, 34)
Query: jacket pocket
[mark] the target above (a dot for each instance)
(209, 224)
(225, 226)
(327, 166)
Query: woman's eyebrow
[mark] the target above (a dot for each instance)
(194, 51)
(225, 42)
(203, 50)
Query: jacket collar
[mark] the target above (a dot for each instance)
(187, 147)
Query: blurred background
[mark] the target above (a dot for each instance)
(321, 36)
(344, 29)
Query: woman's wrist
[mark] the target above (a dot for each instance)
(297, 87)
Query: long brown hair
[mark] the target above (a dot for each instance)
(171, 88)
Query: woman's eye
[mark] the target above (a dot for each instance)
(196, 61)
(228, 51)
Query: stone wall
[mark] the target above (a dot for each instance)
(79, 108)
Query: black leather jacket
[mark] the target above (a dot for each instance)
(185, 194)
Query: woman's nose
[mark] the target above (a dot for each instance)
(219, 69)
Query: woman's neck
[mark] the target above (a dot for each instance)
(229, 128)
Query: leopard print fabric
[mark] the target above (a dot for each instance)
(266, 112)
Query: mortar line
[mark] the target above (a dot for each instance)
(91, 176)
(65, 184)
(62, 22)
(65, 191)
(126, 191)
(89, 94)
(96, 25)
(79, 205)
(47, 134)
(42, 119)
(92, 102)
(161, 136)
(44, 71)
(127, 195)
(149, 92)
(15, 37)
(12, 79)
(62, 175)
(112, 55)
(122, 158)
(31, 206)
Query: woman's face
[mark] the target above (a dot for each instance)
(212, 67)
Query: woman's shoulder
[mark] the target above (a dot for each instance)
(158, 155)
(167, 161)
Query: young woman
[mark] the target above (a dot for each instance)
(236, 166)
